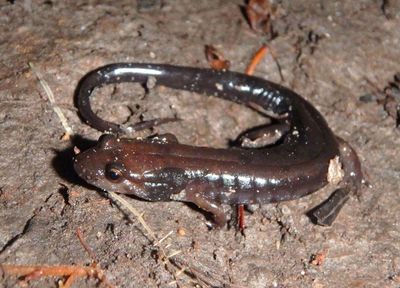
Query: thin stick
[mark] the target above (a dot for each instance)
(174, 254)
(278, 66)
(170, 267)
(50, 96)
(136, 213)
(85, 245)
(163, 238)
(57, 270)
(258, 56)
(68, 283)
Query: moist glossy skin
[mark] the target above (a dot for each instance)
(161, 169)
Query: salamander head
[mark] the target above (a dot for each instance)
(125, 166)
(103, 167)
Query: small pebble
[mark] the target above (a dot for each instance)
(181, 231)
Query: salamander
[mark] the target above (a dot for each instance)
(304, 157)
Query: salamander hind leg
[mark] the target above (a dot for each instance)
(166, 138)
(262, 136)
(147, 124)
(327, 212)
(200, 193)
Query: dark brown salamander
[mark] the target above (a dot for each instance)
(306, 158)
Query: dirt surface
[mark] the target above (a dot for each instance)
(331, 52)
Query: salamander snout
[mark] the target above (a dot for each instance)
(90, 164)
(85, 167)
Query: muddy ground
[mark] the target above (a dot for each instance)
(331, 52)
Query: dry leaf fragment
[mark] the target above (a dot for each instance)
(216, 59)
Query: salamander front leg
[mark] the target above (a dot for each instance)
(199, 193)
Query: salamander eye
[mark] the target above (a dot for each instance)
(114, 174)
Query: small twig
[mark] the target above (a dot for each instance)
(163, 238)
(50, 96)
(201, 277)
(137, 214)
(72, 272)
(181, 271)
(174, 254)
(257, 57)
(278, 65)
(57, 270)
(166, 260)
(85, 245)
(35, 271)
(68, 283)
(172, 264)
